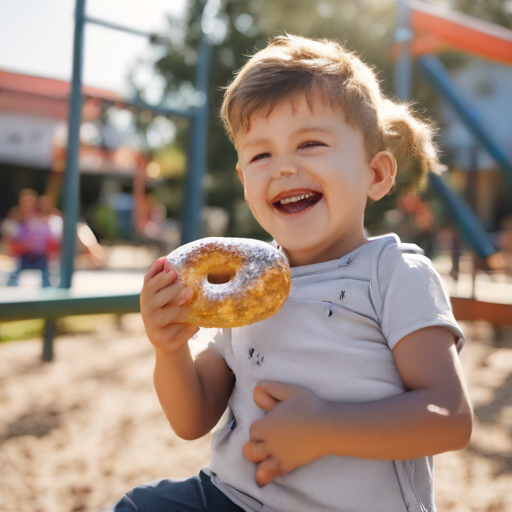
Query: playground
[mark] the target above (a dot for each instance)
(88, 426)
(80, 422)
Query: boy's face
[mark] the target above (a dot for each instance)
(306, 179)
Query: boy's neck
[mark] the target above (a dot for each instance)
(322, 254)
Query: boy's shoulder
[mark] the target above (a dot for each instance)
(392, 242)
(400, 266)
(391, 251)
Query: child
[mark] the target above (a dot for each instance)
(360, 382)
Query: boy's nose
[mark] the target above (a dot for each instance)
(283, 167)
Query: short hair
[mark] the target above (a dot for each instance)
(292, 68)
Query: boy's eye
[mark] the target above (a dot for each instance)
(310, 144)
(260, 156)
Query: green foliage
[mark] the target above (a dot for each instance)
(10, 331)
(105, 221)
(495, 11)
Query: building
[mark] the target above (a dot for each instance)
(33, 136)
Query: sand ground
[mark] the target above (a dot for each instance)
(78, 432)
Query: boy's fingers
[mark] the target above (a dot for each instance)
(155, 268)
(276, 390)
(171, 314)
(160, 281)
(180, 332)
(263, 399)
(166, 295)
(255, 451)
(185, 296)
(256, 430)
(266, 471)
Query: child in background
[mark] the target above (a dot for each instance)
(28, 236)
(360, 383)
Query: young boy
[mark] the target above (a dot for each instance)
(360, 382)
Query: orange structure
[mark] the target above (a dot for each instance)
(436, 29)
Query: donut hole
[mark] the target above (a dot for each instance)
(220, 275)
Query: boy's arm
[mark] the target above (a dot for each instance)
(432, 416)
(193, 394)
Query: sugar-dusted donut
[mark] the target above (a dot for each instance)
(237, 281)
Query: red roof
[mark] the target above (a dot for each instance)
(42, 96)
(49, 87)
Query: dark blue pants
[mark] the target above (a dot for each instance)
(196, 494)
(31, 262)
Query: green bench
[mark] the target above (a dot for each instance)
(52, 303)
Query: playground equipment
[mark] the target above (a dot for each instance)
(52, 304)
(198, 115)
(424, 30)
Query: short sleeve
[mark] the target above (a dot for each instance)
(217, 339)
(413, 296)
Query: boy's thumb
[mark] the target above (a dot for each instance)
(268, 394)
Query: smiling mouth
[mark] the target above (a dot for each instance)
(297, 203)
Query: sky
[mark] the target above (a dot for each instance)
(36, 38)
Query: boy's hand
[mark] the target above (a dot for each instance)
(163, 308)
(289, 436)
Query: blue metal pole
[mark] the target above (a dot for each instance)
(441, 80)
(71, 189)
(128, 30)
(194, 197)
(403, 37)
(468, 223)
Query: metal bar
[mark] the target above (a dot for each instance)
(441, 80)
(403, 37)
(193, 204)
(71, 190)
(468, 223)
(160, 109)
(51, 306)
(129, 30)
(48, 335)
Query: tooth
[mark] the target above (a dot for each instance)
(294, 199)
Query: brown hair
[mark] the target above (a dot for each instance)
(292, 68)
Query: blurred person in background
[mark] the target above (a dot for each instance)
(502, 260)
(27, 236)
(52, 217)
(160, 229)
(419, 221)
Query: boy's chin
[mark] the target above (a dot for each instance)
(295, 247)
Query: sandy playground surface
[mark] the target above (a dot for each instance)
(78, 432)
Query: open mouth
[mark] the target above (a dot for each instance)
(297, 203)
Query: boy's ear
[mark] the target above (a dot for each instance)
(383, 172)
(240, 174)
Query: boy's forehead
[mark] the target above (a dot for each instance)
(313, 114)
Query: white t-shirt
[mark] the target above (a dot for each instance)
(334, 335)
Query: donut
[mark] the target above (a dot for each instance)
(236, 281)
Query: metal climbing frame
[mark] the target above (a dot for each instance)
(197, 156)
(424, 30)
